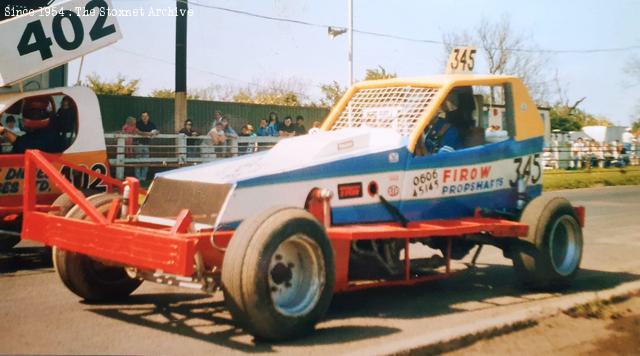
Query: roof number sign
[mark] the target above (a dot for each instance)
(461, 60)
(54, 35)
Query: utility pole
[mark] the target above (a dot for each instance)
(180, 113)
(350, 43)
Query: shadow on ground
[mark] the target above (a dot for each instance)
(25, 258)
(205, 318)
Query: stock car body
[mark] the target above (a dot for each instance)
(359, 163)
(280, 231)
(81, 144)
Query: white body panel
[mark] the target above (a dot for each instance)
(15, 66)
(294, 153)
(90, 135)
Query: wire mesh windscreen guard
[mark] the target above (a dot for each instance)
(399, 108)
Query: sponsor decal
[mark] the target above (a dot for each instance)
(350, 190)
(469, 180)
(393, 190)
(394, 157)
(425, 182)
(345, 145)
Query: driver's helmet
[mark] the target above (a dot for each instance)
(36, 114)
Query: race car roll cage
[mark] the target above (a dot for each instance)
(166, 254)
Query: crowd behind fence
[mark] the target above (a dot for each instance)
(572, 155)
(177, 150)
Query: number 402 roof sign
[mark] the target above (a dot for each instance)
(39, 40)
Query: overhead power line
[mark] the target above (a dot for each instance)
(403, 38)
(148, 57)
(173, 63)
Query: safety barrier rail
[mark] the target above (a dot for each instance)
(177, 150)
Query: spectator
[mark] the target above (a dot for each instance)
(299, 128)
(577, 153)
(217, 116)
(622, 154)
(247, 147)
(597, 154)
(273, 117)
(129, 128)
(263, 129)
(146, 129)
(218, 138)
(10, 122)
(287, 129)
(187, 130)
(65, 119)
(555, 152)
(315, 128)
(39, 134)
(627, 137)
(228, 130)
(272, 129)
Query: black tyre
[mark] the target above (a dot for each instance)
(7, 241)
(550, 257)
(88, 278)
(278, 274)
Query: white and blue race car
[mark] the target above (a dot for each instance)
(451, 162)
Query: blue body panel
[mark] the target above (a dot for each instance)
(415, 209)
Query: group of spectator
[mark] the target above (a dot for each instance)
(221, 135)
(587, 152)
(590, 153)
(139, 147)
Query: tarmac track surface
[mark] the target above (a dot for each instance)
(39, 315)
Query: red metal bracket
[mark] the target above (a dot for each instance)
(183, 222)
(36, 159)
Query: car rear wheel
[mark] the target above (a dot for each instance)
(278, 274)
(88, 278)
(550, 257)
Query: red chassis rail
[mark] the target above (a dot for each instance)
(172, 250)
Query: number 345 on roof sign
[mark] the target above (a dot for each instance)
(46, 38)
(461, 60)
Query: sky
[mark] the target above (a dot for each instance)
(232, 49)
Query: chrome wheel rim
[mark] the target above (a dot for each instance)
(565, 246)
(296, 275)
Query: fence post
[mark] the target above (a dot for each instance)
(234, 146)
(120, 157)
(181, 145)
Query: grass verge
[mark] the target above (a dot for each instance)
(563, 179)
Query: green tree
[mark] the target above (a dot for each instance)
(331, 93)
(289, 92)
(378, 73)
(120, 86)
(267, 97)
(569, 118)
(635, 126)
(170, 94)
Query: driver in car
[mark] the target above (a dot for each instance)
(449, 132)
(39, 133)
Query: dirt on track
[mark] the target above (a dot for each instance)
(601, 328)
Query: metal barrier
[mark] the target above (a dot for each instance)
(601, 157)
(177, 150)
